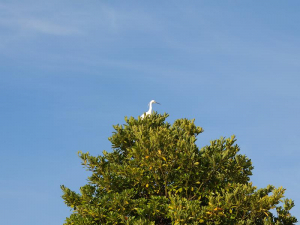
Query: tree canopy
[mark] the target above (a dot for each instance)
(156, 174)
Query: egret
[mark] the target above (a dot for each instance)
(149, 112)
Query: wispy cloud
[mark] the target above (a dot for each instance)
(30, 25)
(16, 20)
(20, 22)
(46, 27)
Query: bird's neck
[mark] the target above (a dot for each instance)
(150, 108)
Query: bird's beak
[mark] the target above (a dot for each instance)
(157, 103)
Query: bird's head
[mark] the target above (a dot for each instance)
(153, 101)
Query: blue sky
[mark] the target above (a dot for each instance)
(69, 70)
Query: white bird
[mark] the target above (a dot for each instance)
(149, 112)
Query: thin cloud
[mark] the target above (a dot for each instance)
(19, 20)
(34, 25)
(47, 27)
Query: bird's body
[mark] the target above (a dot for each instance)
(149, 112)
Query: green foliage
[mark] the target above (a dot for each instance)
(156, 174)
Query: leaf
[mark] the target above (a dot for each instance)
(164, 159)
(147, 185)
(147, 156)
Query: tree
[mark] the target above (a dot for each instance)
(156, 174)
